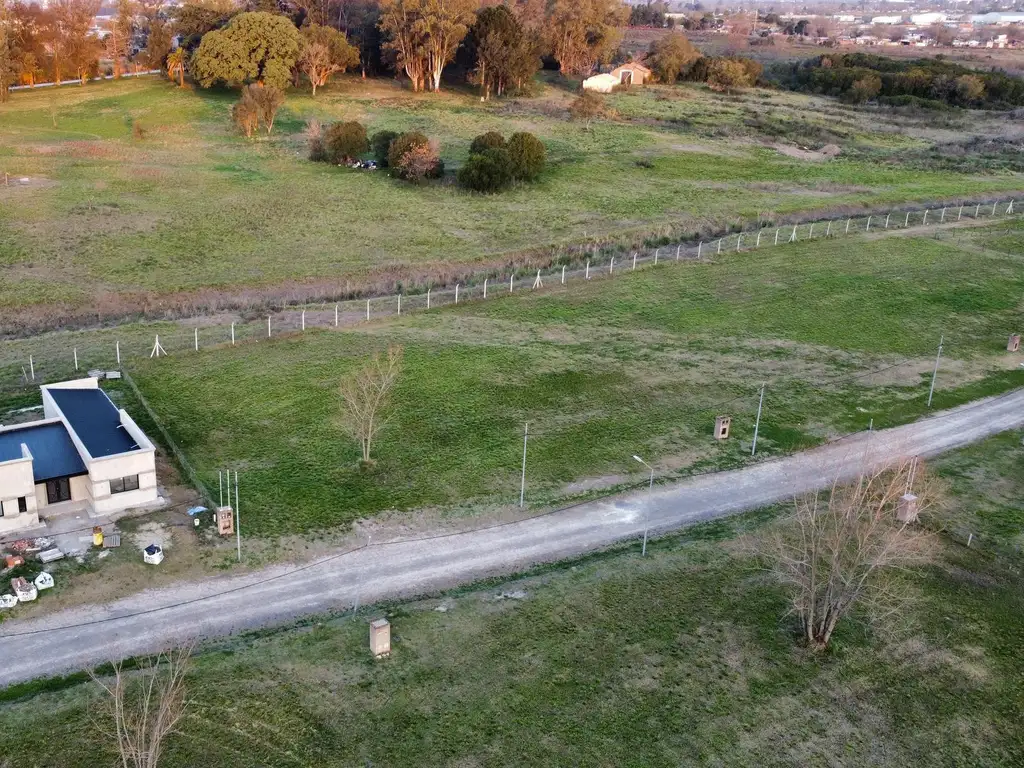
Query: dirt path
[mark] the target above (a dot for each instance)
(412, 566)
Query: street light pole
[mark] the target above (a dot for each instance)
(647, 509)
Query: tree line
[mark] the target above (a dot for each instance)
(283, 42)
(860, 77)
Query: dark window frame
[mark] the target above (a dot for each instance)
(124, 484)
(22, 505)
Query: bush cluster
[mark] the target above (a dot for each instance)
(857, 77)
(494, 163)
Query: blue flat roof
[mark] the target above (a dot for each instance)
(53, 453)
(95, 419)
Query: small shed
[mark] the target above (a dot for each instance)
(633, 73)
(600, 83)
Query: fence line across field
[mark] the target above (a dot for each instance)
(176, 338)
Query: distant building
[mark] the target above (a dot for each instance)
(887, 20)
(924, 19)
(985, 19)
(633, 73)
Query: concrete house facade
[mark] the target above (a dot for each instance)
(84, 453)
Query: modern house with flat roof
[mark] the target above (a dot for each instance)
(85, 453)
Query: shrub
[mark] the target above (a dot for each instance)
(413, 157)
(485, 141)
(346, 141)
(527, 155)
(487, 171)
(865, 89)
(380, 143)
(587, 106)
(246, 114)
(315, 141)
(727, 75)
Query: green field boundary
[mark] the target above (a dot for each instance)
(27, 363)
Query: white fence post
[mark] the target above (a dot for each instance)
(196, 335)
(634, 260)
(611, 265)
(428, 298)
(942, 216)
(511, 278)
(538, 283)
(1009, 208)
(848, 226)
(960, 213)
(656, 252)
(977, 209)
(399, 310)
(367, 309)
(719, 245)
(699, 246)
(563, 274)
(739, 239)
(810, 235)
(680, 247)
(268, 326)
(588, 269)
(924, 221)
(777, 235)
(304, 315)
(76, 358)
(994, 208)
(906, 221)
(31, 368)
(887, 220)
(335, 315)
(232, 333)
(868, 228)
(792, 235)
(758, 243)
(457, 293)
(117, 349)
(828, 229)
(485, 287)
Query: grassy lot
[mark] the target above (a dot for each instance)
(192, 213)
(682, 658)
(639, 364)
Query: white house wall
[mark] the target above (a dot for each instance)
(16, 481)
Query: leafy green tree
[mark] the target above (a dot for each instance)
(8, 66)
(254, 47)
(176, 65)
(380, 143)
(527, 155)
(488, 171)
(194, 19)
(969, 89)
(584, 33)
(158, 42)
(505, 54)
(345, 141)
(727, 75)
(324, 52)
(485, 141)
(671, 55)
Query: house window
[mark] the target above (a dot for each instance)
(22, 504)
(130, 483)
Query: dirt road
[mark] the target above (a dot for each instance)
(150, 620)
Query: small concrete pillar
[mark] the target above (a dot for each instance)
(906, 509)
(1014, 343)
(380, 638)
(722, 425)
(225, 521)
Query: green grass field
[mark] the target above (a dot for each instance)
(684, 657)
(193, 214)
(601, 370)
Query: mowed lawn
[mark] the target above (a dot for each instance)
(844, 333)
(685, 657)
(119, 224)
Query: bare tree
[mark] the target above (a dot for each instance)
(836, 553)
(143, 708)
(366, 396)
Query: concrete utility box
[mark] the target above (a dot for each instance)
(380, 638)
(1013, 345)
(722, 425)
(906, 509)
(225, 521)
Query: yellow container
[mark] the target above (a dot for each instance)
(97, 537)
